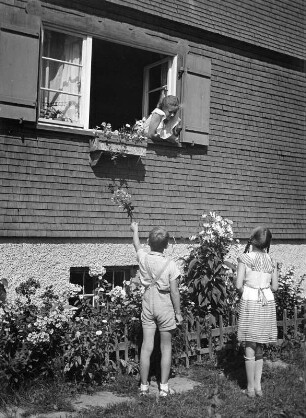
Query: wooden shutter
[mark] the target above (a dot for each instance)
(19, 60)
(195, 95)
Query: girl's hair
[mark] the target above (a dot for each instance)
(169, 101)
(158, 239)
(260, 238)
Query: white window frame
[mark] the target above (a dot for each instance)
(171, 81)
(86, 80)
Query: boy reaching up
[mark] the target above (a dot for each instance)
(160, 304)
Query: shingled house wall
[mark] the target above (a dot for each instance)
(56, 209)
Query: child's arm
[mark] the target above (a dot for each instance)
(154, 123)
(274, 285)
(136, 242)
(175, 297)
(240, 277)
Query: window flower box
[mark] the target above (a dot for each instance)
(116, 145)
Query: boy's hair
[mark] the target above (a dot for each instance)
(158, 239)
(169, 101)
(260, 238)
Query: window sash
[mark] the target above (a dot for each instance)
(83, 93)
(170, 87)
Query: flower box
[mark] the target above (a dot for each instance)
(115, 146)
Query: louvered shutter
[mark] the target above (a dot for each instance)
(195, 95)
(19, 60)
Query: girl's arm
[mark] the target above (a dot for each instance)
(154, 123)
(240, 276)
(274, 285)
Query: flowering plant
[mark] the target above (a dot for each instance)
(289, 293)
(205, 272)
(130, 133)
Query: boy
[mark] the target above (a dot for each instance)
(160, 304)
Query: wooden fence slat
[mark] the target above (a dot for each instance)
(126, 342)
(285, 322)
(221, 331)
(186, 345)
(199, 357)
(295, 322)
(210, 347)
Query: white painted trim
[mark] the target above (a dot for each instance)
(86, 81)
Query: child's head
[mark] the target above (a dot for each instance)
(170, 105)
(158, 239)
(260, 238)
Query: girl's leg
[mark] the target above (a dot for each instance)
(166, 355)
(146, 351)
(258, 369)
(250, 367)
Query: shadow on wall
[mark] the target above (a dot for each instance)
(129, 168)
(172, 151)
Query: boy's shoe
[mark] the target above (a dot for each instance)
(144, 390)
(259, 393)
(163, 393)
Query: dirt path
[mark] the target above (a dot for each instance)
(104, 399)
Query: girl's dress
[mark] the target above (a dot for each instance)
(164, 129)
(257, 313)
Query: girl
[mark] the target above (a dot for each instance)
(256, 278)
(163, 123)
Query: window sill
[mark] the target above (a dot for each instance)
(65, 128)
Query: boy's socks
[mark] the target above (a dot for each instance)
(164, 386)
(144, 388)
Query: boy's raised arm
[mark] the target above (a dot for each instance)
(136, 242)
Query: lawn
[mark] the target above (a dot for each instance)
(218, 395)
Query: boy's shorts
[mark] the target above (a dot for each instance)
(157, 310)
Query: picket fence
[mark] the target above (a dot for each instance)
(194, 336)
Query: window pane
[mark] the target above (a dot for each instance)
(62, 75)
(154, 98)
(61, 46)
(158, 76)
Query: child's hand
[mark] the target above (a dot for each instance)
(179, 319)
(134, 226)
(176, 130)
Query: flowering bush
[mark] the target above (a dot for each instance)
(289, 293)
(206, 275)
(31, 330)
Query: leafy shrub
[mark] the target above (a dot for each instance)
(207, 277)
(289, 293)
(30, 332)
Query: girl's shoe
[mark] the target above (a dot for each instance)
(249, 393)
(258, 393)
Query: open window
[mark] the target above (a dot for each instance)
(65, 78)
(86, 81)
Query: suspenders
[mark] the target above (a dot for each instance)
(158, 274)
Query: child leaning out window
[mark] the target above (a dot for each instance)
(164, 122)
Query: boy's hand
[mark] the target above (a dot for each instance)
(179, 319)
(134, 226)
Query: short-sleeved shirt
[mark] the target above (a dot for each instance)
(156, 261)
(164, 130)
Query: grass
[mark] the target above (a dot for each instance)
(218, 395)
